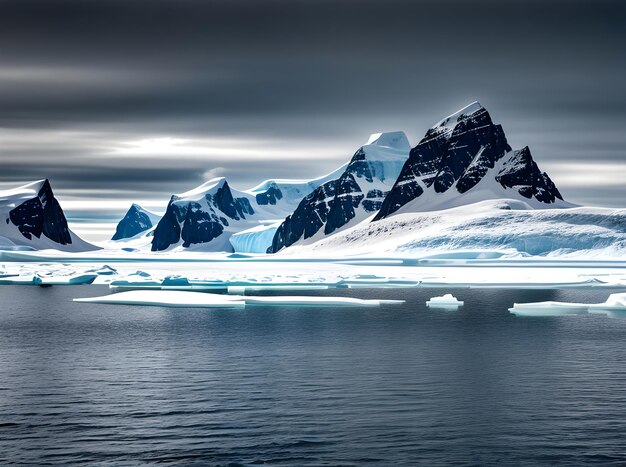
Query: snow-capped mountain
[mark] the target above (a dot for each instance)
(231, 219)
(135, 221)
(206, 217)
(465, 158)
(33, 218)
(354, 195)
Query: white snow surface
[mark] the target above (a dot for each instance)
(10, 236)
(507, 226)
(294, 190)
(450, 121)
(208, 300)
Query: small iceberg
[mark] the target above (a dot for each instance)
(613, 307)
(446, 302)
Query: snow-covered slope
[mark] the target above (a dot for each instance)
(204, 218)
(136, 221)
(507, 226)
(463, 159)
(31, 217)
(353, 196)
(287, 192)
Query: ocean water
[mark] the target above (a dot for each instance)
(92, 384)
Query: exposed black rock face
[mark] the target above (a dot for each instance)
(522, 173)
(192, 223)
(348, 195)
(374, 200)
(167, 231)
(457, 155)
(333, 204)
(134, 222)
(447, 156)
(200, 226)
(271, 196)
(306, 220)
(235, 208)
(42, 215)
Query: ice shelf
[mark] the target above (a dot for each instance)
(183, 299)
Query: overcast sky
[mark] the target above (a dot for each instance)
(135, 100)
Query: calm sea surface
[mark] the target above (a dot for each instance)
(400, 385)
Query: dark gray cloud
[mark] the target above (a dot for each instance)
(79, 80)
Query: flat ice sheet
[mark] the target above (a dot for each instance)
(183, 299)
(614, 307)
(169, 298)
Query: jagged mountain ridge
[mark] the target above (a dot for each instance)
(200, 215)
(459, 153)
(271, 201)
(463, 159)
(357, 193)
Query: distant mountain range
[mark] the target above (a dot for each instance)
(462, 166)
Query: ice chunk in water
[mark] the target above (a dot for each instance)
(549, 309)
(65, 280)
(444, 302)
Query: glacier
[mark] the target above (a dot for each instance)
(254, 240)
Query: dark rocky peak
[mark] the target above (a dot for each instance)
(456, 153)
(338, 202)
(41, 215)
(521, 173)
(135, 221)
(223, 200)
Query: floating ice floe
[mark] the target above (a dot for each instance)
(65, 280)
(242, 289)
(18, 280)
(444, 302)
(182, 299)
(614, 307)
(549, 309)
(46, 280)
